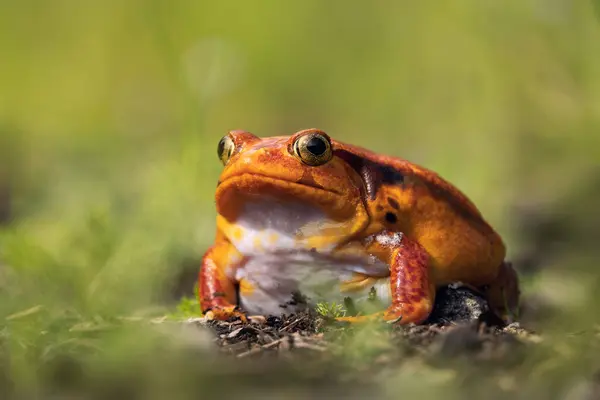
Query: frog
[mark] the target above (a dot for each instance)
(304, 218)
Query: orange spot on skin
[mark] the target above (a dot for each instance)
(236, 233)
(272, 239)
(246, 288)
(257, 243)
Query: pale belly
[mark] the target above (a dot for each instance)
(280, 275)
(274, 284)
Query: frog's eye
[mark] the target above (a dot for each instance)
(313, 149)
(225, 149)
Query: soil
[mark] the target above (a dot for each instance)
(461, 325)
(311, 355)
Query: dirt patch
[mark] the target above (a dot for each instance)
(461, 326)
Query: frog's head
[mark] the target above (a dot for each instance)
(300, 182)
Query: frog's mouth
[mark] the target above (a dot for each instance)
(236, 191)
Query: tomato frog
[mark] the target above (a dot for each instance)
(304, 218)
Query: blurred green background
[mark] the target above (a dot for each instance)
(110, 113)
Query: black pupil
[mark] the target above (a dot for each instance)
(221, 148)
(316, 146)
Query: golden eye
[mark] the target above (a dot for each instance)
(225, 149)
(313, 149)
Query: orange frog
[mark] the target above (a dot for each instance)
(304, 219)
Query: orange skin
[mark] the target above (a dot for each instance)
(444, 238)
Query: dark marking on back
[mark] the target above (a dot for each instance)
(371, 179)
(372, 173)
(391, 218)
(390, 175)
(393, 203)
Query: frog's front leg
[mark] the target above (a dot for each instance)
(412, 292)
(216, 290)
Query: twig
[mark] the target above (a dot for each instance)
(292, 324)
(260, 349)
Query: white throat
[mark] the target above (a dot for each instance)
(280, 267)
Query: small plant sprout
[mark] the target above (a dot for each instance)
(330, 310)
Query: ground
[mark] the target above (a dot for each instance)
(460, 322)
(310, 352)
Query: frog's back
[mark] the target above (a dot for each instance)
(426, 207)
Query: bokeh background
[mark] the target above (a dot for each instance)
(110, 114)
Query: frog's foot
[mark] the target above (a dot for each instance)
(406, 313)
(225, 313)
(401, 314)
(361, 319)
(504, 292)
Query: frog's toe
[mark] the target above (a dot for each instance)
(408, 313)
(359, 319)
(225, 314)
(394, 320)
